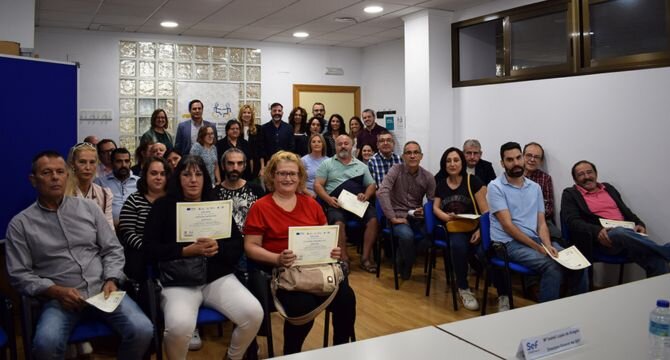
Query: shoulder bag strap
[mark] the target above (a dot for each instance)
(474, 202)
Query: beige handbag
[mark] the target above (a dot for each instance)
(319, 279)
(465, 225)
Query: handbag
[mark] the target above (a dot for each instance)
(319, 279)
(186, 271)
(465, 225)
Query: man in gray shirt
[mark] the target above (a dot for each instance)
(401, 198)
(61, 249)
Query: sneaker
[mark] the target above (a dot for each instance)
(84, 348)
(468, 299)
(196, 342)
(503, 303)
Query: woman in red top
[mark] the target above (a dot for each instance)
(266, 242)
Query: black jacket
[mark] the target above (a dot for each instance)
(583, 225)
(484, 171)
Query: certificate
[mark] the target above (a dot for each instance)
(467, 216)
(211, 219)
(570, 258)
(107, 305)
(313, 244)
(606, 223)
(350, 202)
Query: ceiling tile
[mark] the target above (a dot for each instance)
(338, 36)
(241, 13)
(242, 35)
(320, 42)
(204, 33)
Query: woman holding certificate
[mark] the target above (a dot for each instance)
(460, 193)
(267, 238)
(219, 289)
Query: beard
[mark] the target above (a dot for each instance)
(233, 175)
(515, 172)
(343, 154)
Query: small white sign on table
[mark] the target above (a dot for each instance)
(550, 343)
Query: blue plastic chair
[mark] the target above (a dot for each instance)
(492, 249)
(7, 335)
(599, 256)
(437, 235)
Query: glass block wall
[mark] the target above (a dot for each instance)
(149, 72)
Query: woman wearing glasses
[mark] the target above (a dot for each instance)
(266, 243)
(158, 132)
(82, 165)
(206, 149)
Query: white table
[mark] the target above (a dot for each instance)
(423, 343)
(614, 322)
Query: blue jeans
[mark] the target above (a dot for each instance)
(551, 273)
(652, 257)
(55, 325)
(407, 244)
(461, 251)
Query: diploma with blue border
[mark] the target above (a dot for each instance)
(208, 219)
(313, 244)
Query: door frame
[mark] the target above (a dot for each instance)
(356, 90)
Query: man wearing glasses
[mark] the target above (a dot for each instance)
(383, 160)
(105, 148)
(319, 112)
(476, 165)
(533, 159)
(401, 198)
(344, 172)
(588, 201)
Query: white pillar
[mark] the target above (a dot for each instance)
(17, 22)
(428, 91)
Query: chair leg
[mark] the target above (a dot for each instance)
(487, 282)
(430, 257)
(326, 329)
(508, 284)
(378, 254)
(448, 266)
(621, 273)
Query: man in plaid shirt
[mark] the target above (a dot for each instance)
(533, 157)
(381, 162)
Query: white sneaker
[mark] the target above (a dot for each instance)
(503, 303)
(468, 299)
(196, 342)
(84, 348)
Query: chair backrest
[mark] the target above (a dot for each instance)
(485, 230)
(429, 217)
(565, 232)
(381, 219)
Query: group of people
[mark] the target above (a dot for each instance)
(96, 222)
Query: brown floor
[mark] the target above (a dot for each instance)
(381, 310)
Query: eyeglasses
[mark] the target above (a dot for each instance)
(533, 157)
(472, 153)
(285, 174)
(382, 141)
(410, 153)
(584, 173)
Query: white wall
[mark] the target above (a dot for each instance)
(282, 66)
(17, 22)
(382, 77)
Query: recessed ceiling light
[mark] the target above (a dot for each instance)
(373, 9)
(169, 24)
(300, 34)
(345, 19)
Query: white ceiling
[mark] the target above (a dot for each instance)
(258, 20)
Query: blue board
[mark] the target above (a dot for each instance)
(39, 103)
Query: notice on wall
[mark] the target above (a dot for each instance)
(220, 101)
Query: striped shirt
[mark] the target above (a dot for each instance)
(379, 166)
(132, 219)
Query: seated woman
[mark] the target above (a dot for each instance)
(266, 243)
(222, 292)
(82, 165)
(311, 161)
(150, 187)
(452, 197)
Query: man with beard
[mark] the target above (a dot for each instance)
(233, 187)
(381, 162)
(368, 134)
(517, 220)
(343, 172)
(277, 134)
(319, 112)
(187, 131)
(121, 181)
(105, 148)
(588, 201)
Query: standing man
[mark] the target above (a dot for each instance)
(381, 162)
(91, 139)
(343, 172)
(62, 249)
(588, 201)
(319, 112)
(517, 220)
(533, 158)
(105, 148)
(476, 165)
(277, 134)
(187, 131)
(368, 135)
(401, 198)
(121, 181)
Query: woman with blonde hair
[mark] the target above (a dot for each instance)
(82, 164)
(251, 132)
(266, 243)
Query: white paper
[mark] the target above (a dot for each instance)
(313, 244)
(107, 305)
(608, 224)
(210, 219)
(467, 216)
(570, 258)
(350, 202)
